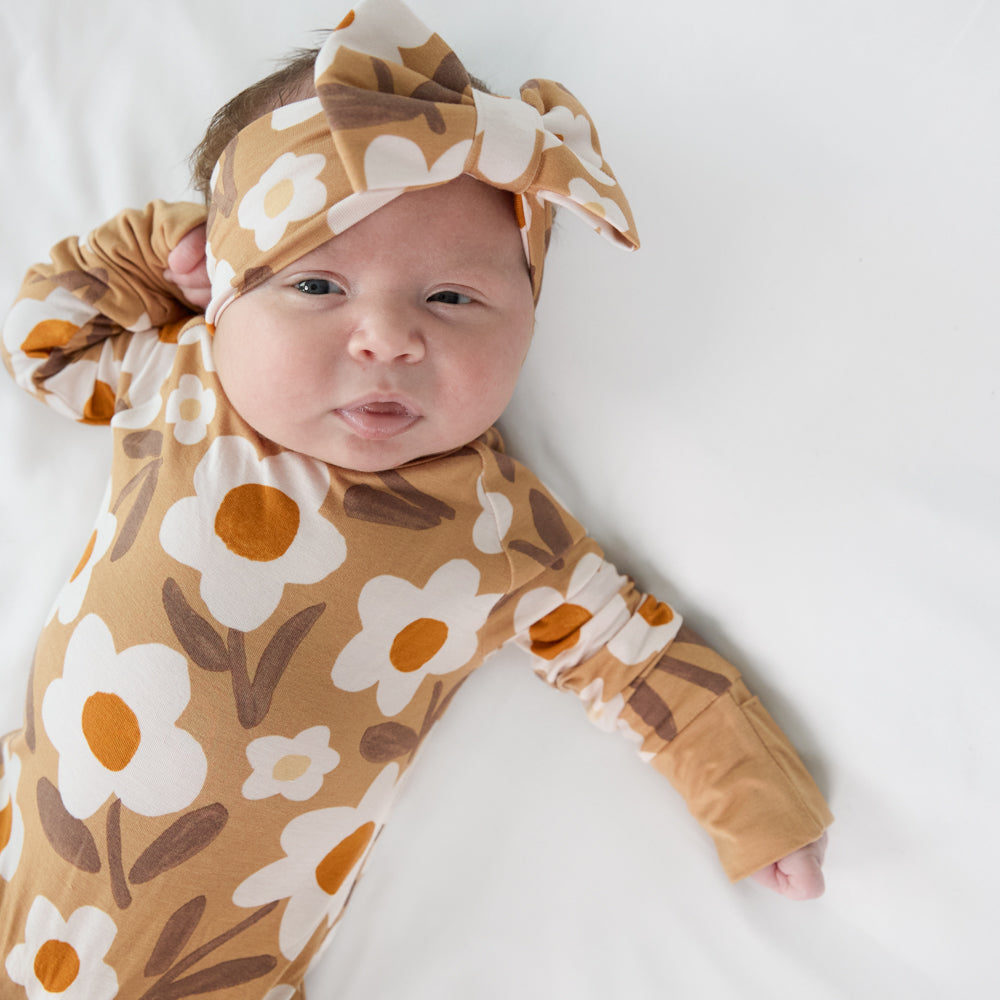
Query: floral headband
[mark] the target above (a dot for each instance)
(396, 112)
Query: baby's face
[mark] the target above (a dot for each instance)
(400, 338)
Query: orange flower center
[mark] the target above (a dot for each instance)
(56, 966)
(558, 630)
(111, 730)
(257, 522)
(416, 644)
(85, 558)
(339, 863)
(6, 823)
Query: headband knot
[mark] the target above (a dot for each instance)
(396, 111)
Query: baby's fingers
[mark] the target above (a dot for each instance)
(189, 254)
(187, 268)
(798, 876)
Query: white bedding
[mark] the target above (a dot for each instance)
(783, 414)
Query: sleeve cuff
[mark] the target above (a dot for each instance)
(744, 783)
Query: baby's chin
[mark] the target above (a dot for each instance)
(380, 456)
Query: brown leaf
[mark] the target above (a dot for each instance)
(693, 674)
(549, 523)
(254, 276)
(182, 840)
(451, 78)
(253, 698)
(176, 933)
(89, 285)
(193, 958)
(551, 529)
(387, 741)
(200, 641)
(652, 709)
(534, 552)
(119, 888)
(219, 977)
(225, 195)
(29, 711)
(365, 503)
(143, 444)
(69, 836)
(436, 711)
(406, 507)
(130, 529)
(409, 492)
(349, 107)
(506, 465)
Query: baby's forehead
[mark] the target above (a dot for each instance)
(463, 220)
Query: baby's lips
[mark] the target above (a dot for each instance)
(387, 407)
(378, 419)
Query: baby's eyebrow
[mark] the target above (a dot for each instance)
(483, 259)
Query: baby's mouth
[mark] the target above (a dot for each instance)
(378, 418)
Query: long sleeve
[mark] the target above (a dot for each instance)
(639, 669)
(66, 337)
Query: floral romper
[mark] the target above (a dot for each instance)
(255, 644)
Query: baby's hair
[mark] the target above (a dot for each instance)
(292, 81)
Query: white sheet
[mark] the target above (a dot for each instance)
(782, 414)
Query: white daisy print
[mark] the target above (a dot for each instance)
(408, 632)
(11, 820)
(31, 325)
(358, 206)
(653, 625)
(510, 130)
(393, 161)
(366, 32)
(248, 536)
(324, 852)
(112, 718)
(64, 958)
(198, 334)
(559, 631)
(149, 361)
(288, 191)
(85, 390)
(292, 768)
(222, 275)
(609, 217)
(575, 133)
(607, 715)
(494, 522)
(190, 408)
(290, 115)
(75, 589)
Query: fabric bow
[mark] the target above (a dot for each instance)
(396, 111)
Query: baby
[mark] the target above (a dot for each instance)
(312, 534)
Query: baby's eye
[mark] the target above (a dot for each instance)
(318, 286)
(450, 298)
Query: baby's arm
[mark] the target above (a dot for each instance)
(65, 338)
(639, 669)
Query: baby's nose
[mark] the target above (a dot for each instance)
(388, 334)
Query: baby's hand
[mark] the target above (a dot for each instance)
(799, 875)
(186, 268)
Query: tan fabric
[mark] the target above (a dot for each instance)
(396, 112)
(254, 645)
